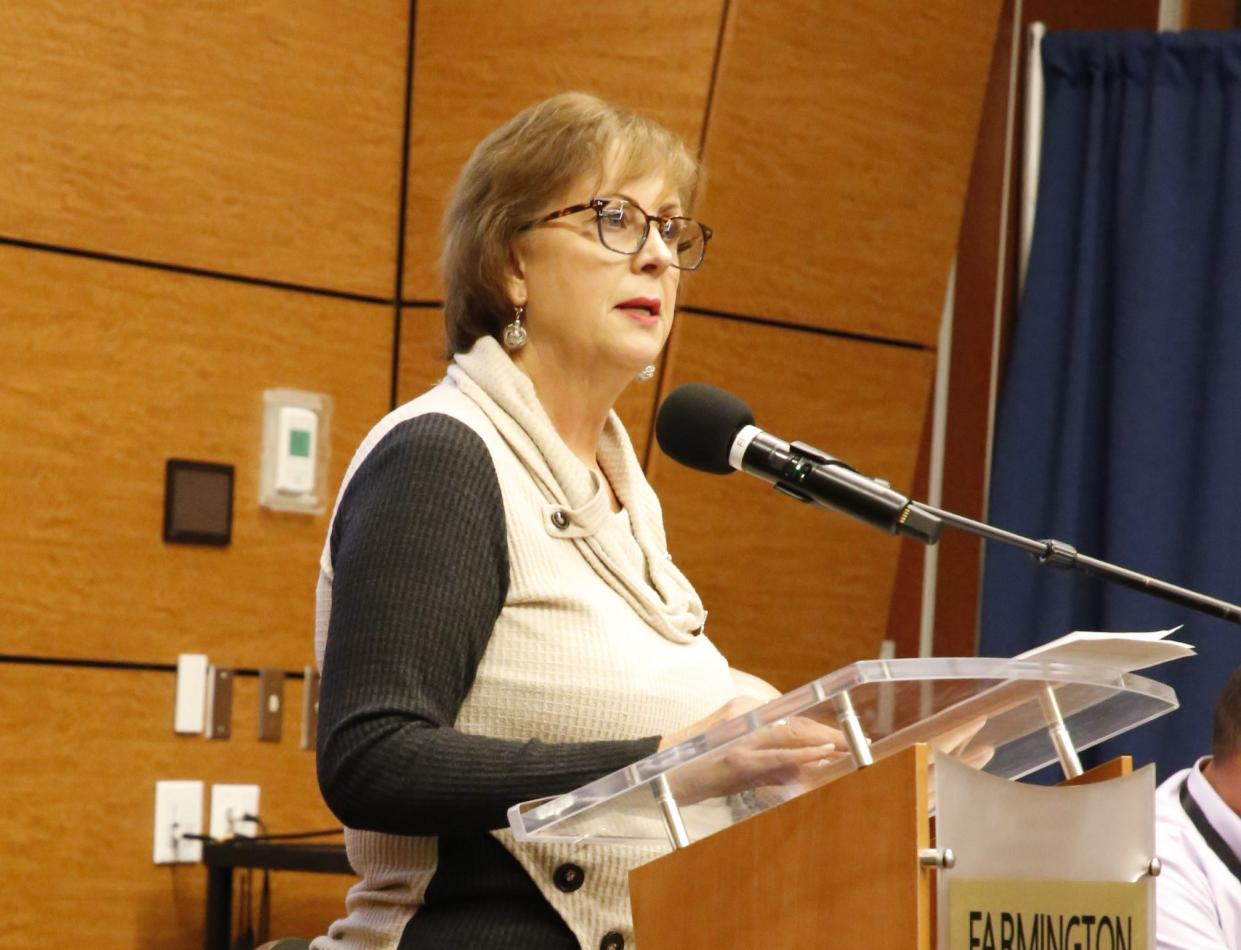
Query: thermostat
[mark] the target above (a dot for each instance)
(294, 468)
(297, 434)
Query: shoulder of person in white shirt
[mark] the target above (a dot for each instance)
(1198, 816)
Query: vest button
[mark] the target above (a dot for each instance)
(611, 941)
(560, 519)
(569, 877)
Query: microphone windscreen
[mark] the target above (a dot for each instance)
(696, 425)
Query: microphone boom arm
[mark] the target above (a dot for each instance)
(1065, 556)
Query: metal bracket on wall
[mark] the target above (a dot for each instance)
(310, 707)
(219, 702)
(271, 703)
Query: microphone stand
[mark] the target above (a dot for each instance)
(1065, 556)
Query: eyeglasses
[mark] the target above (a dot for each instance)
(623, 228)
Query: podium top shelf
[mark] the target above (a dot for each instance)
(970, 706)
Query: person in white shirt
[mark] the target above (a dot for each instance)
(1198, 840)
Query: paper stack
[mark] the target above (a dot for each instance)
(1124, 652)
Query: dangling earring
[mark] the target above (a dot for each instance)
(646, 372)
(515, 332)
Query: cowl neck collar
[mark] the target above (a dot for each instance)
(576, 506)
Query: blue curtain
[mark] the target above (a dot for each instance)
(1119, 424)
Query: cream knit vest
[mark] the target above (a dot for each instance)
(598, 639)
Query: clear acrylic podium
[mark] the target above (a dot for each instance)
(849, 839)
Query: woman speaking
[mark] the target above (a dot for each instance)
(498, 618)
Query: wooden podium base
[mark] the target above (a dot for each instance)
(837, 866)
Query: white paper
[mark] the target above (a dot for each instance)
(1114, 651)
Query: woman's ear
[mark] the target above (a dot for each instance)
(515, 277)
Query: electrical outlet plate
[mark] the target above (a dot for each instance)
(178, 811)
(228, 804)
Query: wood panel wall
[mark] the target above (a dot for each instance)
(1210, 14)
(838, 152)
(82, 752)
(793, 592)
(204, 201)
(123, 367)
(214, 135)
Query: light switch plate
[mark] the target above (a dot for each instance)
(191, 693)
(271, 703)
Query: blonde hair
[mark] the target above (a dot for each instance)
(512, 175)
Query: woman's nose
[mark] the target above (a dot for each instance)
(655, 255)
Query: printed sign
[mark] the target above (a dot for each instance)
(1048, 915)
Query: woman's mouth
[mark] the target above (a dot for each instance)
(645, 310)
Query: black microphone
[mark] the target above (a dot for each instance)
(712, 430)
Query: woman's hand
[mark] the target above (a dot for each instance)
(787, 751)
(737, 706)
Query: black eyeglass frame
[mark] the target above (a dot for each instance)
(598, 204)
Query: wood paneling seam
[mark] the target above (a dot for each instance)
(403, 202)
(190, 271)
(806, 328)
(715, 73)
(22, 660)
(756, 319)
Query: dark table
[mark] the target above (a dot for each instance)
(221, 857)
